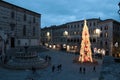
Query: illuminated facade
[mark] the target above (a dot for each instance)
(110, 33)
(56, 38)
(102, 36)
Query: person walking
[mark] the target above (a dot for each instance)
(53, 68)
(94, 69)
(60, 67)
(84, 70)
(80, 70)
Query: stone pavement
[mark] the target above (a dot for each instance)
(110, 69)
(70, 70)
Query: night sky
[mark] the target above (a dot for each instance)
(56, 12)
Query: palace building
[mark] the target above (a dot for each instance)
(104, 34)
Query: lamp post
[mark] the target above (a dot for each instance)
(97, 33)
(48, 37)
(65, 34)
(116, 48)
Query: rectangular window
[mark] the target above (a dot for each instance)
(34, 20)
(33, 30)
(24, 30)
(18, 42)
(12, 15)
(12, 26)
(25, 17)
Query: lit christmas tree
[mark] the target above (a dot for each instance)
(85, 50)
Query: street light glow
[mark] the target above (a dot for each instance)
(48, 33)
(97, 31)
(65, 33)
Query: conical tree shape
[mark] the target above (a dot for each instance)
(85, 50)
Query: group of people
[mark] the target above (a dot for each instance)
(48, 58)
(83, 69)
(58, 67)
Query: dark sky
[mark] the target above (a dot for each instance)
(56, 12)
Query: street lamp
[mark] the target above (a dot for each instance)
(48, 34)
(65, 34)
(48, 38)
(116, 48)
(97, 33)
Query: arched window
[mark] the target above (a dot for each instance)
(106, 34)
(106, 27)
(106, 43)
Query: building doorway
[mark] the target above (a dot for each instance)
(12, 42)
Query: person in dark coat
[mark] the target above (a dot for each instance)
(60, 67)
(94, 69)
(80, 69)
(84, 70)
(33, 70)
(53, 68)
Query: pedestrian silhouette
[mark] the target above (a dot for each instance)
(53, 68)
(84, 70)
(80, 69)
(60, 67)
(94, 69)
(33, 70)
(49, 58)
(46, 57)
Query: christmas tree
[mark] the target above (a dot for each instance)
(85, 50)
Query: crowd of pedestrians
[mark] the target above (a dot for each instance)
(57, 68)
(83, 69)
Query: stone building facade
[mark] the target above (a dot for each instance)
(102, 36)
(21, 25)
(109, 37)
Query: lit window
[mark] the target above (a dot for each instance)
(106, 34)
(74, 33)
